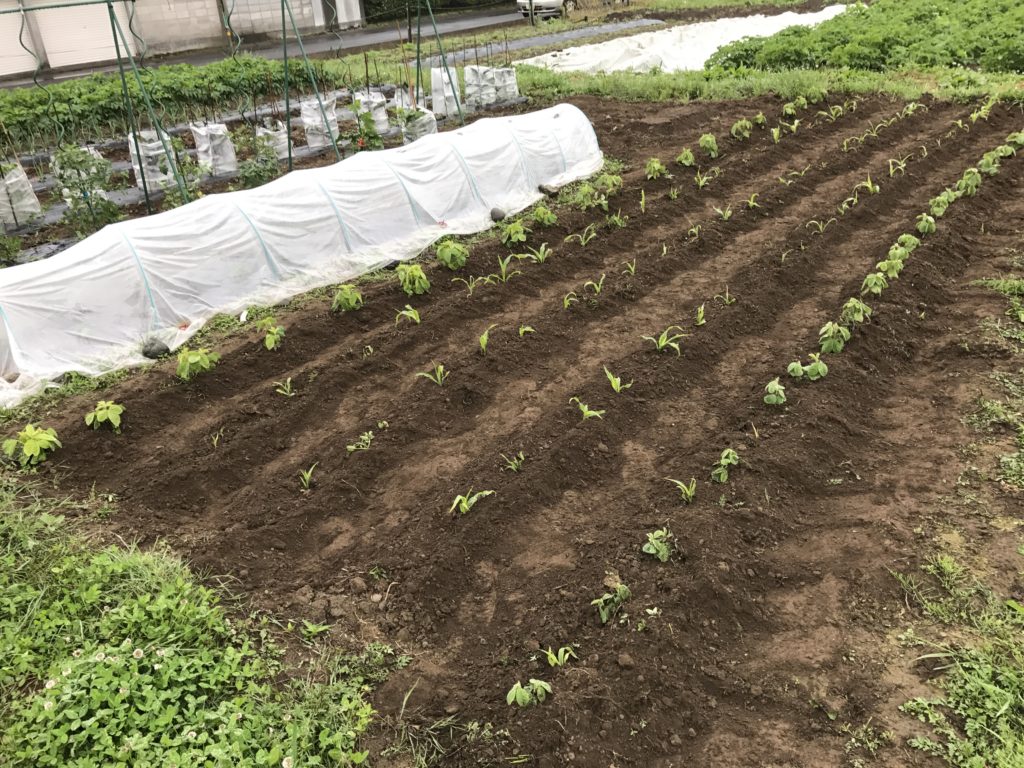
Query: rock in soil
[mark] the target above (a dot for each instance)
(497, 214)
(154, 349)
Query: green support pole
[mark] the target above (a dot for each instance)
(419, 37)
(312, 80)
(287, 99)
(444, 62)
(128, 108)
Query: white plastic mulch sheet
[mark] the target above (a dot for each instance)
(89, 308)
(675, 49)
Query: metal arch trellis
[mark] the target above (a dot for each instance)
(119, 40)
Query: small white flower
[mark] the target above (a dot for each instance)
(66, 671)
(101, 656)
(287, 762)
(77, 652)
(287, 717)
(238, 716)
(47, 705)
(191, 735)
(50, 684)
(122, 690)
(157, 666)
(138, 653)
(160, 652)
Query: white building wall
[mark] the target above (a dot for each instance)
(263, 17)
(178, 25)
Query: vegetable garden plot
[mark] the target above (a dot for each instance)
(519, 496)
(91, 308)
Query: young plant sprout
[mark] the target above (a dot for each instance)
(195, 361)
(32, 445)
(544, 216)
(464, 503)
(569, 299)
(609, 603)
(701, 179)
(854, 312)
(673, 194)
(776, 133)
(585, 409)
(512, 233)
(537, 255)
(285, 388)
(774, 392)
(534, 692)
(874, 284)
(726, 299)
(525, 329)
(105, 412)
(815, 370)
(630, 268)
(659, 544)
(686, 490)
(616, 382)
(700, 316)
(452, 254)
(694, 232)
(720, 470)
(655, 169)
(412, 279)
(819, 227)
(485, 337)
(667, 339)
(708, 143)
(909, 242)
(274, 333)
(362, 444)
(752, 202)
(409, 314)
(741, 129)
(685, 158)
(560, 657)
(515, 462)
(643, 201)
(585, 236)
(472, 283)
(891, 268)
(833, 337)
(617, 220)
(925, 224)
(595, 287)
(725, 213)
(306, 478)
(437, 375)
(347, 298)
(504, 275)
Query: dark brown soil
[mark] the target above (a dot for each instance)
(778, 605)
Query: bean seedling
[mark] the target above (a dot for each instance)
(833, 337)
(659, 544)
(534, 692)
(285, 388)
(513, 463)
(720, 470)
(452, 254)
(585, 409)
(512, 233)
(409, 314)
(667, 339)
(347, 298)
(485, 338)
(685, 158)
(306, 477)
(195, 361)
(891, 268)
(274, 333)
(560, 657)
(925, 224)
(616, 382)
(708, 143)
(437, 375)
(362, 444)
(686, 490)
(775, 393)
(105, 412)
(32, 445)
(655, 169)
(464, 503)
(412, 279)
(874, 284)
(609, 603)
(815, 370)
(855, 311)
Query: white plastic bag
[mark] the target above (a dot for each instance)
(154, 163)
(443, 94)
(66, 193)
(277, 137)
(480, 88)
(318, 132)
(505, 85)
(214, 148)
(18, 202)
(377, 106)
(423, 124)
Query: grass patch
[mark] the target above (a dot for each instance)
(120, 657)
(978, 720)
(39, 406)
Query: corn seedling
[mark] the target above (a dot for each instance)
(686, 490)
(786, 182)
(534, 692)
(725, 213)
(560, 657)
(452, 254)
(595, 287)
(659, 544)
(464, 503)
(725, 298)
(741, 129)
(367, 351)
(700, 316)
(630, 268)
(525, 329)
(585, 409)
(643, 201)
(537, 255)
(485, 338)
(818, 227)
(105, 412)
(694, 231)
(655, 169)
(874, 284)
(720, 470)
(512, 233)
(701, 180)
(816, 369)
(504, 275)
(832, 114)
(195, 361)
(285, 388)
(437, 375)
(708, 143)
(515, 462)
(667, 339)
(776, 133)
(472, 283)
(409, 314)
(609, 603)
(792, 126)
(855, 311)
(833, 337)
(569, 299)
(32, 445)
(616, 220)
(685, 158)
(616, 382)
(584, 237)
(673, 193)
(544, 216)
(752, 202)
(869, 186)
(898, 166)
(306, 478)
(362, 444)
(347, 298)
(774, 392)
(412, 279)
(273, 333)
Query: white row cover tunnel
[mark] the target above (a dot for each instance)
(89, 308)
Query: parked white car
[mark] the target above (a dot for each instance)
(546, 7)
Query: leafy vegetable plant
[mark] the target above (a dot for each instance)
(685, 158)
(464, 503)
(544, 216)
(32, 445)
(412, 279)
(741, 129)
(855, 311)
(925, 224)
(720, 470)
(195, 361)
(667, 339)
(659, 544)
(708, 143)
(655, 169)
(362, 444)
(348, 298)
(452, 254)
(874, 284)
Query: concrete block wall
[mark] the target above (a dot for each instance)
(263, 17)
(179, 25)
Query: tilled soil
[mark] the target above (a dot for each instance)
(778, 603)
